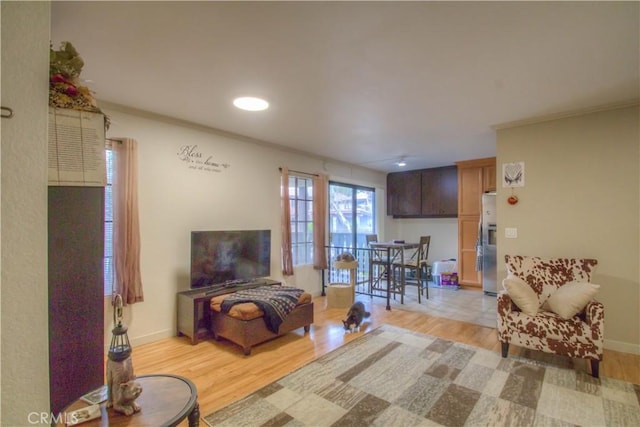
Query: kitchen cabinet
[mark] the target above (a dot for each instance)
(489, 178)
(404, 193)
(474, 178)
(423, 193)
(469, 191)
(440, 192)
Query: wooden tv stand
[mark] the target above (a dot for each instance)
(194, 313)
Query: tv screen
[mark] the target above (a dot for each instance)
(219, 257)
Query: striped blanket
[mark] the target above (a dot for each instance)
(276, 302)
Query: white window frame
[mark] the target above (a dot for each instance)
(301, 209)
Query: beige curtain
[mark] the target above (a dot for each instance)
(287, 256)
(126, 225)
(320, 194)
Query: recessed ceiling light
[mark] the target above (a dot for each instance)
(250, 103)
(401, 162)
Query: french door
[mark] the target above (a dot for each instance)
(351, 214)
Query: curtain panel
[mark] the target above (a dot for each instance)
(126, 224)
(287, 256)
(320, 194)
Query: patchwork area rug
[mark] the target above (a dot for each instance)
(394, 377)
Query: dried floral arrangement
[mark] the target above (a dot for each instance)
(65, 90)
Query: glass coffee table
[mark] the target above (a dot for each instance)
(166, 400)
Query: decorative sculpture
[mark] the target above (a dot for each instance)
(123, 389)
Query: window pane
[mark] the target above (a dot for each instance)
(301, 190)
(309, 187)
(109, 160)
(108, 239)
(108, 275)
(108, 203)
(351, 214)
(300, 206)
(108, 226)
(310, 232)
(301, 196)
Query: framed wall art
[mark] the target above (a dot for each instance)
(513, 174)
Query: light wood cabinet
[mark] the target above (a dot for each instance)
(489, 178)
(474, 178)
(469, 191)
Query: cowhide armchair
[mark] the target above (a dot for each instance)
(548, 305)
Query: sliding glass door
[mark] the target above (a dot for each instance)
(351, 215)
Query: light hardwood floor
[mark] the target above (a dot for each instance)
(222, 374)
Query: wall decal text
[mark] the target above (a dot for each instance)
(198, 160)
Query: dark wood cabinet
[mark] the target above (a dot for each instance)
(423, 193)
(404, 193)
(440, 192)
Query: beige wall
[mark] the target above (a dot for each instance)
(581, 199)
(174, 200)
(443, 232)
(23, 189)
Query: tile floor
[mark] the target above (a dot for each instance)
(461, 304)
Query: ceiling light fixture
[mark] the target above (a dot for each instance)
(401, 162)
(250, 103)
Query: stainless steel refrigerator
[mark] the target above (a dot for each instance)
(488, 234)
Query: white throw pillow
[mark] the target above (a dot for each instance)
(521, 294)
(570, 298)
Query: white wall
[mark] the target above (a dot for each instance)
(23, 189)
(581, 199)
(443, 232)
(174, 200)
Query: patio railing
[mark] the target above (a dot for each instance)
(333, 275)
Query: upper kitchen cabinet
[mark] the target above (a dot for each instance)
(404, 193)
(489, 177)
(440, 192)
(474, 178)
(424, 193)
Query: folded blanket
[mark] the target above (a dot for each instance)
(276, 302)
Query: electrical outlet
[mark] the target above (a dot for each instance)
(511, 233)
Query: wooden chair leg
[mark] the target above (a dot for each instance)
(595, 368)
(399, 280)
(419, 279)
(426, 288)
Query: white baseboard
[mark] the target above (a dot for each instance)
(623, 347)
(146, 339)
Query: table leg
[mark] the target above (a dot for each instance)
(389, 278)
(402, 276)
(194, 416)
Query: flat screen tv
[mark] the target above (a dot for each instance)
(222, 257)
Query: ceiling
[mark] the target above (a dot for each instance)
(360, 82)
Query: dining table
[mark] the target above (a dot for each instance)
(393, 251)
